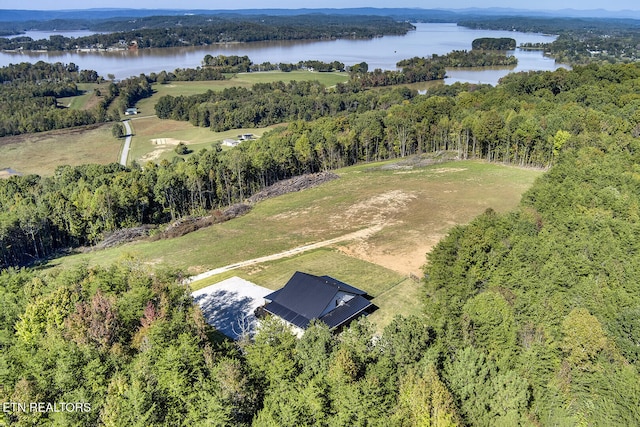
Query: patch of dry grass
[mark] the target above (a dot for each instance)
(413, 211)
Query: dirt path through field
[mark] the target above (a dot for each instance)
(357, 235)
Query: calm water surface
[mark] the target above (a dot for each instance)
(382, 52)
(39, 35)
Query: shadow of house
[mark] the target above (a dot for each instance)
(229, 306)
(229, 312)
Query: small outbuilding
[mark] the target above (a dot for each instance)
(131, 111)
(230, 142)
(306, 297)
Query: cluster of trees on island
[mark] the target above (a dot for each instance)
(490, 43)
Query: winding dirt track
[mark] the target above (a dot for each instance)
(360, 234)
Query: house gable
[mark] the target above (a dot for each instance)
(338, 299)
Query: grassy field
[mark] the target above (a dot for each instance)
(414, 206)
(41, 153)
(411, 206)
(87, 98)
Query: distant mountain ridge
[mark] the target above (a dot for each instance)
(18, 15)
(567, 13)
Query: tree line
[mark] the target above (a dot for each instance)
(243, 64)
(203, 30)
(270, 103)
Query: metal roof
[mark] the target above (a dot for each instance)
(287, 315)
(305, 297)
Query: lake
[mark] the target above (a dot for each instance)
(381, 52)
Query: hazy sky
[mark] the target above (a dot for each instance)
(612, 5)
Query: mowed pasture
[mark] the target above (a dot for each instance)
(411, 207)
(43, 152)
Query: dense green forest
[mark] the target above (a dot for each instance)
(548, 296)
(29, 93)
(28, 97)
(530, 318)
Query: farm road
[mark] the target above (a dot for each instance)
(127, 143)
(360, 234)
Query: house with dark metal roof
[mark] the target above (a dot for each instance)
(306, 297)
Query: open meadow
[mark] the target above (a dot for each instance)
(407, 206)
(155, 139)
(40, 153)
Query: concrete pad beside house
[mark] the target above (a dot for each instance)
(228, 305)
